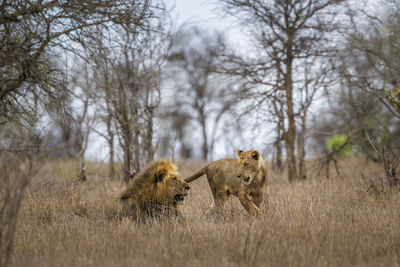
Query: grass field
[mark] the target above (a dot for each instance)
(343, 221)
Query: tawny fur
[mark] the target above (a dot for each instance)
(160, 188)
(245, 177)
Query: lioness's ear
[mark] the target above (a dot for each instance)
(239, 152)
(255, 155)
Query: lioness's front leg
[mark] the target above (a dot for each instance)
(251, 208)
(257, 199)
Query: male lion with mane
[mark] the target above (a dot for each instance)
(157, 191)
(245, 177)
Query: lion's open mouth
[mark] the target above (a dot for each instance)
(179, 198)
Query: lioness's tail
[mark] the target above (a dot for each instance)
(196, 175)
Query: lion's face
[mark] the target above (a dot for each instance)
(174, 188)
(248, 165)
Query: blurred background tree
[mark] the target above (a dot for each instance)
(312, 71)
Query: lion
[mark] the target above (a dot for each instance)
(245, 177)
(159, 190)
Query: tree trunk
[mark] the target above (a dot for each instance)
(278, 148)
(136, 147)
(111, 169)
(81, 156)
(301, 152)
(328, 162)
(290, 135)
(149, 135)
(127, 148)
(136, 140)
(278, 156)
(82, 164)
(205, 140)
(111, 160)
(127, 164)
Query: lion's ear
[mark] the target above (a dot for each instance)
(239, 152)
(255, 155)
(160, 175)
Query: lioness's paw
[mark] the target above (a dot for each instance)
(255, 211)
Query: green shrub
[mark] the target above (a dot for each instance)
(394, 97)
(339, 145)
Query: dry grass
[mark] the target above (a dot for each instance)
(318, 222)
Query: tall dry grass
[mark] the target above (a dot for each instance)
(317, 222)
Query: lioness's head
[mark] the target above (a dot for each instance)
(171, 188)
(249, 165)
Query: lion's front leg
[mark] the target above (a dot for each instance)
(175, 212)
(251, 208)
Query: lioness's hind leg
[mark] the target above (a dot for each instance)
(220, 197)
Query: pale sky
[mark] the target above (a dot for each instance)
(196, 12)
(205, 13)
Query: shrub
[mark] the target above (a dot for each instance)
(339, 146)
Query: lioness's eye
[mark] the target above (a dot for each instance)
(244, 165)
(174, 178)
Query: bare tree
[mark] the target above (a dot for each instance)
(369, 75)
(129, 79)
(285, 33)
(18, 162)
(202, 92)
(83, 119)
(316, 76)
(34, 36)
(13, 184)
(280, 131)
(105, 111)
(369, 59)
(32, 32)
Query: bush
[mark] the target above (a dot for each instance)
(394, 97)
(339, 146)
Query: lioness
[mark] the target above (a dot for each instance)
(245, 177)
